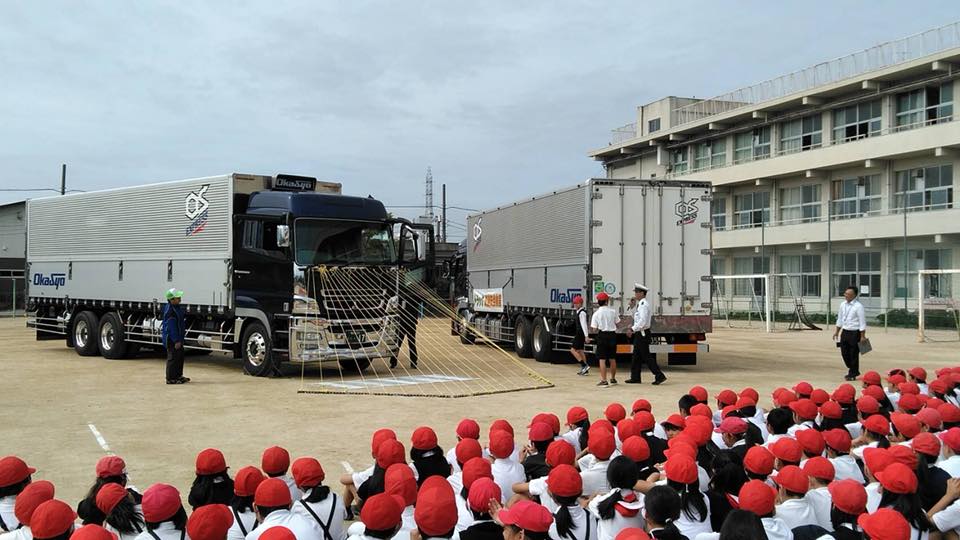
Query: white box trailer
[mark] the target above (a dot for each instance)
(527, 260)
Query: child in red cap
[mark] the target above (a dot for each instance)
(109, 470)
(212, 484)
(506, 472)
(352, 481)
(468, 428)
(794, 509)
(318, 503)
(273, 510)
(604, 323)
(244, 514)
(275, 462)
(620, 507)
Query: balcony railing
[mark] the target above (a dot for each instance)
(623, 133)
(731, 224)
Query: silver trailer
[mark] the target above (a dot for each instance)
(527, 260)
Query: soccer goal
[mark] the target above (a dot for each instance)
(938, 309)
(743, 301)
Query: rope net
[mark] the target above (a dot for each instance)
(357, 321)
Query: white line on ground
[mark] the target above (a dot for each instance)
(347, 467)
(100, 440)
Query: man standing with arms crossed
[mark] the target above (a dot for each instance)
(174, 329)
(640, 332)
(852, 329)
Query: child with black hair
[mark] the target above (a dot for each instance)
(604, 323)
(122, 517)
(319, 504)
(481, 492)
(661, 509)
(742, 525)
(685, 403)
(727, 477)
(163, 514)
(619, 508)
(241, 506)
(533, 457)
(779, 421)
(898, 490)
(683, 476)
(109, 470)
(212, 484)
(16, 476)
(570, 520)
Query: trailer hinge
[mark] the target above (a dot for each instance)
(596, 223)
(706, 278)
(596, 250)
(706, 198)
(594, 277)
(706, 252)
(596, 194)
(706, 305)
(706, 225)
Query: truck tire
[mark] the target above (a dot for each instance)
(354, 365)
(112, 337)
(84, 333)
(523, 337)
(466, 336)
(542, 341)
(256, 349)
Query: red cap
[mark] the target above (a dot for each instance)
(876, 392)
(636, 448)
(13, 470)
(468, 428)
(540, 432)
(211, 461)
(576, 414)
(933, 403)
(51, 519)
(787, 449)
(758, 460)
(602, 424)
(838, 439)
(820, 468)
(484, 489)
(96, 532)
(811, 441)
(727, 397)
(32, 496)
(501, 444)
(275, 460)
(699, 393)
(804, 408)
(382, 512)
(681, 468)
(615, 412)
(844, 394)
(278, 532)
(560, 452)
(699, 428)
(399, 481)
(949, 412)
(701, 409)
(938, 386)
(885, 524)
(918, 373)
(877, 424)
(819, 396)
(803, 388)
(909, 403)
(109, 466)
(930, 418)
(951, 438)
(271, 493)
(601, 445)
(246, 482)
(160, 503)
(675, 420)
(641, 405)
(757, 497)
(529, 515)
(602, 297)
(645, 421)
(565, 481)
(681, 445)
(792, 478)
(209, 522)
(732, 425)
(750, 393)
(927, 444)
(549, 419)
(578, 299)
(871, 377)
(385, 434)
(307, 472)
(906, 424)
(467, 449)
(832, 410)
(110, 496)
(849, 496)
(632, 533)
(390, 451)
(908, 388)
(745, 401)
(897, 478)
(784, 398)
(474, 469)
(868, 405)
(896, 377)
(436, 510)
(876, 459)
(501, 425)
(902, 453)
(627, 428)
(424, 438)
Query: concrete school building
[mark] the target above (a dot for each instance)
(839, 174)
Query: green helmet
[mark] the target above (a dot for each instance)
(173, 293)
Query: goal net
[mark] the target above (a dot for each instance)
(743, 301)
(938, 309)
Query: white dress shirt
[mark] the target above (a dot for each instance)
(23, 533)
(846, 467)
(456, 481)
(641, 317)
(776, 529)
(295, 493)
(464, 514)
(796, 513)
(692, 527)
(248, 519)
(582, 319)
(873, 496)
(605, 319)
(452, 460)
(949, 518)
(538, 487)
(573, 437)
(6, 512)
(821, 502)
(951, 465)
(334, 521)
(607, 529)
(579, 518)
(506, 473)
(164, 531)
(850, 316)
(594, 477)
(300, 527)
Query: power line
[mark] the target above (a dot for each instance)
(434, 206)
(44, 189)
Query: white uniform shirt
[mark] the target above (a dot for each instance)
(850, 316)
(948, 518)
(452, 460)
(334, 521)
(357, 531)
(605, 319)
(873, 496)
(607, 529)
(951, 465)
(855, 429)
(248, 519)
(846, 467)
(300, 527)
(6, 512)
(506, 473)
(641, 317)
(792, 430)
(594, 478)
(693, 527)
(776, 529)
(538, 487)
(821, 502)
(579, 517)
(164, 531)
(858, 451)
(120, 535)
(456, 481)
(573, 437)
(582, 319)
(464, 514)
(717, 439)
(23, 533)
(295, 493)
(362, 476)
(761, 425)
(796, 513)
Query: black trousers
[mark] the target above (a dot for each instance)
(642, 356)
(850, 350)
(174, 362)
(408, 331)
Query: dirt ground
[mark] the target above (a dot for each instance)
(53, 403)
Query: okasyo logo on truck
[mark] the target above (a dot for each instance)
(195, 208)
(54, 280)
(563, 296)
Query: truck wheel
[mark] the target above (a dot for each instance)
(113, 342)
(542, 342)
(523, 337)
(466, 336)
(354, 365)
(85, 334)
(257, 351)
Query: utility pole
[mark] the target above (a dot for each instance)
(443, 212)
(428, 196)
(63, 179)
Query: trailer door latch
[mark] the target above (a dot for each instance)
(596, 223)
(596, 250)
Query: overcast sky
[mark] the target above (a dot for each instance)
(502, 101)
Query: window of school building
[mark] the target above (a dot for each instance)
(801, 134)
(803, 275)
(752, 145)
(857, 270)
(856, 197)
(856, 122)
(751, 209)
(924, 188)
(905, 272)
(719, 214)
(800, 204)
(678, 160)
(925, 106)
(750, 265)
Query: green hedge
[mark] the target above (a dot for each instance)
(898, 318)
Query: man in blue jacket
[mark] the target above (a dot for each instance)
(174, 332)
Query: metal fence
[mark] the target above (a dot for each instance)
(623, 133)
(12, 296)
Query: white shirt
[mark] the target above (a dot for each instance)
(948, 518)
(850, 316)
(846, 467)
(776, 529)
(582, 319)
(333, 521)
(761, 425)
(595, 478)
(796, 513)
(6, 512)
(456, 481)
(692, 527)
(873, 496)
(164, 531)
(295, 493)
(120, 535)
(506, 473)
(23, 533)
(792, 430)
(605, 319)
(641, 317)
(464, 515)
(573, 437)
(607, 529)
(717, 439)
(820, 501)
(950, 464)
(248, 518)
(452, 460)
(362, 476)
(855, 429)
(858, 451)
(538, 487)
(300, 527)
(579, 518)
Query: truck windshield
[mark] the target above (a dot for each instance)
(320, 241)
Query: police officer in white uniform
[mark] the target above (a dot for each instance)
(640, 332)
(852, 329)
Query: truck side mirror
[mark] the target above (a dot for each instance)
(283, 236)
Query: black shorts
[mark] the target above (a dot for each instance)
(606, 345)
(578, 342)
